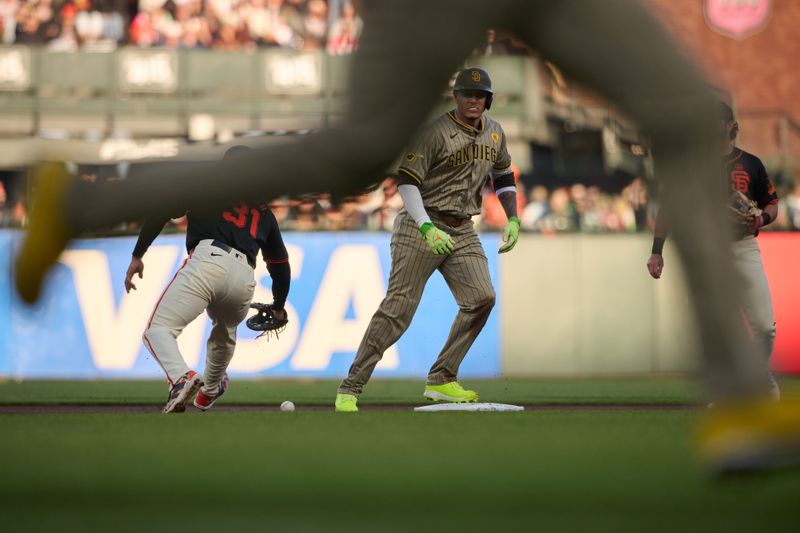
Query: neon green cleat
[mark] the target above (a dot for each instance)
(450, 392)
(346, 403)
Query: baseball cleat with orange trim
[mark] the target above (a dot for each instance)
(204, 401)
(183, 391)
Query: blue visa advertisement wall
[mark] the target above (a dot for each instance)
(5, 303)
(86, 326)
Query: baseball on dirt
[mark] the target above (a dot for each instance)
(287, 406)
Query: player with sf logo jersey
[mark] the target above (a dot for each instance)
(744, 177)
(216, 277)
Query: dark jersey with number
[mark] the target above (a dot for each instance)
(248, 229)
(746, 173)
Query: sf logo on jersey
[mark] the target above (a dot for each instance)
(740, 179)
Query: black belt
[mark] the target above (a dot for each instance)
(451, 220)
(222, 246)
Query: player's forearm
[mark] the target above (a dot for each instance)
(281, 274)
(769, 214)
(412, 202)
(508, 200)
(660, 232)
(506, 189)
(660, 227)
(150, 230)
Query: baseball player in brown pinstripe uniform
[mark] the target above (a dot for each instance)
(440, 181)
(744, 173)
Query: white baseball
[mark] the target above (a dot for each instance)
(287, 406)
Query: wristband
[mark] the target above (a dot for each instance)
(766, 218)
(514, 219)
(425, 227)
(658, 245)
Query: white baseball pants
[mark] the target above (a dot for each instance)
(211, 279)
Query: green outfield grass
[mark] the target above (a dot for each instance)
(540, 470)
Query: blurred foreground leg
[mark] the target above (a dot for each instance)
(619, 50)
(406, 56)
(750, 436)
(49, 231)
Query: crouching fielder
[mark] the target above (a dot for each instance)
(216, 277)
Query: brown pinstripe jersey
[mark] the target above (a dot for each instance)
(450, 161)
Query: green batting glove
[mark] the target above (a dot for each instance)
(440, 242)
(510, 236)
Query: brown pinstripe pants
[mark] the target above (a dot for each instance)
(466, 272)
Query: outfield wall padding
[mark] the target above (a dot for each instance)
(585, 304)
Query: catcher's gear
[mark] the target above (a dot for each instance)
(742, 209)
(265, 322)
(475, 79)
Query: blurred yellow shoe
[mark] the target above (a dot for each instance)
(450, 392)
(48, 232)
(751, 436)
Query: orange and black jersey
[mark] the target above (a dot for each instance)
(744, 172)
(246, 228)
(243, 227)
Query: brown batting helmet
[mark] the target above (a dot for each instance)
(475, 79)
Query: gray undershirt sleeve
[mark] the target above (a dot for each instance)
(412, 201)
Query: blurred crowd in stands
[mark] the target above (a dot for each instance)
(13, 208)
(333, 25)
(566, 209)
(549, 211)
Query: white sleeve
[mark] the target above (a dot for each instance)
(412, 201)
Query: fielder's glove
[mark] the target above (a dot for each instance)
(440, 242)
(265, 321)
(742, 210)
